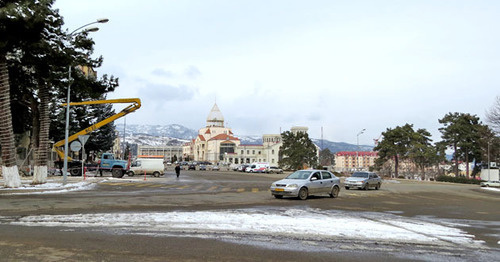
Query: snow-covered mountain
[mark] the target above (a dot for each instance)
(175, 134)
(172, 131)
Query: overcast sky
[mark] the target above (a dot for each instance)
(270, 65)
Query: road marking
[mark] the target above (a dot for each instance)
(239, 190)
(143, 185)
(182, 187)
(212, 188)
(255, 190)
(226, 189)
(157, 185)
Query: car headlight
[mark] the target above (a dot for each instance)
(292, 186)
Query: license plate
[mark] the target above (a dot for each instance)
(279, 189)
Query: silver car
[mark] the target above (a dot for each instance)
(363, 180)
(303, 183)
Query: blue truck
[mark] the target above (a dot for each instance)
(117, 167)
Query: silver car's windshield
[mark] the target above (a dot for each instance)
(301, 174)
(359, 175)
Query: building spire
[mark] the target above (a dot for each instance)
(215, 117)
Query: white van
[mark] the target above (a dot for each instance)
(259, 167)
(152, 166)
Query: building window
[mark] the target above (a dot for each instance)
(253, 152)
(242, 152)
(272, 151)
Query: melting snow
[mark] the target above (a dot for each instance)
(310, 224)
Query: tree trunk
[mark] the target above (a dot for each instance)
(456, 159)
(466, 163)
(41, 156)
(10, 170)
(396, 165)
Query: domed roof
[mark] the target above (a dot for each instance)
(215, 117)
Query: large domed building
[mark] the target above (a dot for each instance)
(216, 143)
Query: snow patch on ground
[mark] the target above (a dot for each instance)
(491, 188)
(49, 188)
(391, 181)
(309, 224)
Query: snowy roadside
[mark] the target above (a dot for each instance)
(491, 188)
(289, 228)
(53, 186)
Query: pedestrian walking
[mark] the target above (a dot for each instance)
(178, 170)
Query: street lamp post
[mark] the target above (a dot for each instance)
(489, 167)
(66, 130)
(357, 152)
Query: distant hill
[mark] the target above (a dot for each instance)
(175, 134)
(340, 146)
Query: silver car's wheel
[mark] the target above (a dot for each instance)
(366, 186)
(335, 192)
(130, 173)
(156, 174)
(377, 187)
(347, 188)
(303, 193)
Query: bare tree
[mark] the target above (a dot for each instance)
(493, 115)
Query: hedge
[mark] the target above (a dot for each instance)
(462, 180)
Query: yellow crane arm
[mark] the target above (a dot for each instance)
(136, 104)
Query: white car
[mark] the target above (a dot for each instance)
(490, 183)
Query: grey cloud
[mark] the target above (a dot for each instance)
(192, 72)
(157, 92)
(162, 72)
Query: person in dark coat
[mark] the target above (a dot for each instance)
(178, 170)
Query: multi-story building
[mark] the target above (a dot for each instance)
(213, 141)
(216, 143)
(349, 161)
(167, 152)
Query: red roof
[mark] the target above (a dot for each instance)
(223, 137)
(202, 138)
(208, 131)
(356, 153)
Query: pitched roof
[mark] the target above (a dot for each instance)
(356, 153)
(202, 138)
(215, 115)
(223, 137)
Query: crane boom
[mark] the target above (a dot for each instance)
(136, 104)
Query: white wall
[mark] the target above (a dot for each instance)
(493, 174)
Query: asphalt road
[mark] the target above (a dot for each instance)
(199, 191)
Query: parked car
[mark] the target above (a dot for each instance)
(243, 167)
(303, 183)
(215, 168)
(274, 169)
(257, 167)
(192, 167)
(490, 183)
(202, 167)
(363, 180)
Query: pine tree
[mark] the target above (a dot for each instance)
(461, 132)
(297, 150)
